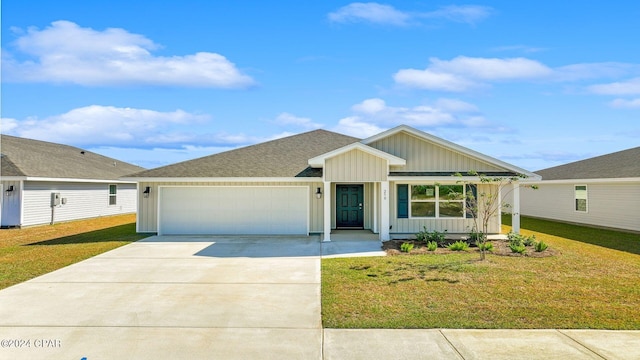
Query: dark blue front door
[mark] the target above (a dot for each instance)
(349, 205)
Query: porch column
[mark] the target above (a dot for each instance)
(327, 211)
(515, 211)
(384, 211)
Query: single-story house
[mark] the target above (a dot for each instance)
(602, 191)
(43, 182)
(392, 183)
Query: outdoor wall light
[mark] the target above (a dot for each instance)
(318, 193)
(146, 191)
(9, 190)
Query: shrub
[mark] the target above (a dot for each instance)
(406, 247)
(517, 248)
(541, 246)
(487, 246)
(521, 240)
(459, 246)
(530, 240)
(432, 246)
(426, 236)
(477, 236)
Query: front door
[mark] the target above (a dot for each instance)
(349, 209)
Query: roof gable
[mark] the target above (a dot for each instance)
(621, 164)
(426, 153)
(33, 158)
(319, 161)
(281, 158)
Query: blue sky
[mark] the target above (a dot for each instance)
(536, 84)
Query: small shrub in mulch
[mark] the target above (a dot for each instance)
(500, 247)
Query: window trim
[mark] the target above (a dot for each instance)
(114, 195)
(437, 202)
(576, 198)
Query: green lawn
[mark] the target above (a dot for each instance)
(31, 252)
(593, 282)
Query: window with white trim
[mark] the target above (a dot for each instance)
(437, 201)
(581, 204)
(113, 192)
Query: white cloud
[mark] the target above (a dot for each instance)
(464, 73)
(469, 14)
(491, 68)
(372, 116)
(7, 125)
(370, 106)
(372, 12)
(386, 14)
(67, 53)
(107, 125)
(357, 127)
(432, 80)
(630, 87)
(287, 119)
(625, 104)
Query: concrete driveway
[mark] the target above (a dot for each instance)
(173, 297)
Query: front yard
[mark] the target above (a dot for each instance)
(591, 282)
(30, 252)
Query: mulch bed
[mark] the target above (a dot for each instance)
(500, 247)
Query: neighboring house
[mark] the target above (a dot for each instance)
(602, 191)
(393, 184)
(43, 182)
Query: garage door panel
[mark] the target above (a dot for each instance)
(233, 210)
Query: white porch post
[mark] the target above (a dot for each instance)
(327, 211)
(384, 211)
(515, 211)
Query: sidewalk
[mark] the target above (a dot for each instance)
(480, 344)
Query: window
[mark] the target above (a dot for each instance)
(437, 201)
(113, 191)
(581, 198)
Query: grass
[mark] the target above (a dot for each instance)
(30, 252)
(591, 283)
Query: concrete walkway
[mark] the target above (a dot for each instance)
(239, 298)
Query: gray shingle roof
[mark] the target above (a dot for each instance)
(286, 157)
(621, 164)
(34, 158)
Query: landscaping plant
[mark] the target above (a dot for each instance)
(459, 246)
(432, 246)
(406, 247)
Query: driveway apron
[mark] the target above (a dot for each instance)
(173, 297)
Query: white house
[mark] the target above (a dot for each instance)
(603, 191)
(392, 184)
(43, 182)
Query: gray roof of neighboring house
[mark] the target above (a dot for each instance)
(285, 157)
(621, 164)
(33, 158)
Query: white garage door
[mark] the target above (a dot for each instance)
(233, 210)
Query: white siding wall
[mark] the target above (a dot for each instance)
(424, 156)
(615, 205)
(84, 200)
(10, 212)
(354, 166)
(148, 207)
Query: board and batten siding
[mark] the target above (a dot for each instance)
(10, 215)
(450, 225)
(422, 155)
(355, 166)
(613, 205)
(147, 219)
(83, 200)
